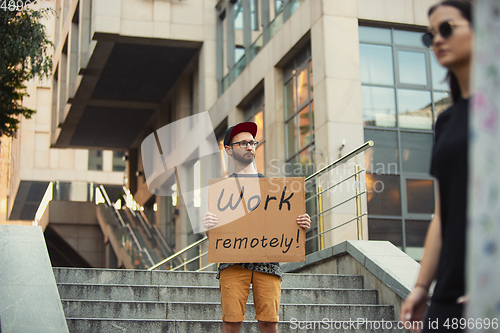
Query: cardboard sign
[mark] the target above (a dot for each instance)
(257, 220)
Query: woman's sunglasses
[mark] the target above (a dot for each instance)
(445, 30)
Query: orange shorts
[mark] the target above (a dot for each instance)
(234, 286)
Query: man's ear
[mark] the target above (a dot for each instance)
(228, 149)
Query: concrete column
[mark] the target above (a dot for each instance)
(338, 111)
(274, 115)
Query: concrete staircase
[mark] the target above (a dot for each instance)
(104, 300)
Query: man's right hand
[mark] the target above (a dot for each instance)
(209, 220)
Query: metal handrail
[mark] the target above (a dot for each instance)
(341, 160)
(187, 248)
(337, 226)
(318, 173)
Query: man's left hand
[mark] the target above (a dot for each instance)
(304, 221)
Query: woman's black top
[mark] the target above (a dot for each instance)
(450, 166)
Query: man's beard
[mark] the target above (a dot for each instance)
(243, 159)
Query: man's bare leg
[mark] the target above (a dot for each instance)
(228, 327)
(268, 327)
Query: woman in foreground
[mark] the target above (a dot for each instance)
(450, 36)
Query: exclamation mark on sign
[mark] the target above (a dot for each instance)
(298, 234)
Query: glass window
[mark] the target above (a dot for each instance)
(305, 136)
(412, 68)
(383, 157)
(254, 112)
(239, 52)
(416, 150)
(375, 35)
(290, 104)
(376, 64)
(291, 135)
(118, 161)
(382, 229)
(408, 38)
(254, 12)
(383, 194)
(415, 232)
(379, 106)
(95, 160)
(238, 15)
(420, 196)
(438, 74)
(415, 109)
(278, 6)
(299, 108)
(301, 165)
(302, 88)
(400, 120)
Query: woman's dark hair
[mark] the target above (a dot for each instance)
(465, 8)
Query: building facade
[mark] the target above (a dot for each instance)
(319, 77)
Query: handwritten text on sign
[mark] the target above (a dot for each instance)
(257, 220)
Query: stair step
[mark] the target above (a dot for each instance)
(211, 310)
(168, 278)
(92, 325)
(209, 294)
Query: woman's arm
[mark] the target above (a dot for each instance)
(415, 305)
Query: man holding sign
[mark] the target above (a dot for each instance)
(235, 278)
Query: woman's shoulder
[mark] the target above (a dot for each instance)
(445, 116)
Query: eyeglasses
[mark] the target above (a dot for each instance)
(243, 144)
(445, 30)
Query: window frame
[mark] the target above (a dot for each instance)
(400, 172)
(292, 72)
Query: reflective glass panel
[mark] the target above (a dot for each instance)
(118, 161)
(239, 52)
(375, 35)
(442, 101)
(379, 107)
(301, 165)
(258, 118)
(408, 38)
(383, 194)
(416, 150)
(311, 78)
(238, 15)
(291, 137)
(438, 73)
(290, 99)
(95, 160)
(420, 196)
(415, 109)
(376, 64)
(389, 230)
(382, 158)
(304, 128)
(302, 87)
(412, 68)
(415, 232)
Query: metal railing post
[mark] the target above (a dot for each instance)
(358, 200)
(321, 244)
(185, 268)
(200, 259)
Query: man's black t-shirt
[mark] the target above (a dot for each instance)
(450, 166)
(270, 268)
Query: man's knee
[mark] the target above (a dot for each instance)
(268, 326)
(230, 327)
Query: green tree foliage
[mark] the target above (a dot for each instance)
(24, 54)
